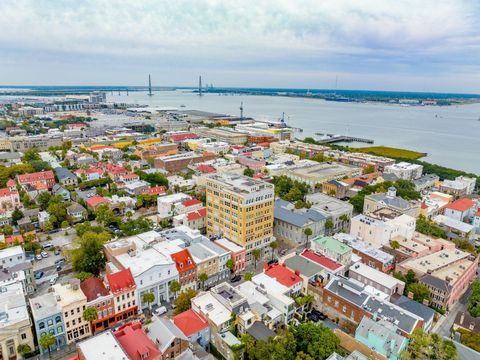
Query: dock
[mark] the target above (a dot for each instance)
(332, 138)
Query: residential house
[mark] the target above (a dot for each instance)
(194, 326)
(65, 177)
(99, 298)
(9, 197)
(390, 200)
(461, 210)
(59, 190)
(338, 211)
(46, 178)
(237, 254)
(288, 278)
(166, 204)
(377, 279)
(169, 339)
(187, 269)
(76, 212)
(194, 219)
(333, 249)
(102, 346)
(136, 343)
(124, 290)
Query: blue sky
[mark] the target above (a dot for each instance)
(427, 45)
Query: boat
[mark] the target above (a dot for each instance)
(182, 106)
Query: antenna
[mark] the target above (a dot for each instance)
(149, 85)
(200, 85)
(241, 110)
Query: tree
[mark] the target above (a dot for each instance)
(328, 226)
(89, 255)
(47, 226)
(230, 264)
(148, 298)
(64, 224)
(183, 300)
(31, 155)
(17, 214)
(256, 253)
(316, 340)
(105, 216)
(90, 314)
(43, 199)
(308, 232)
(248, 276)
(473, 306)
(429, 346)
(420, 291)
(203, 277)
(7, 229)
(273, 245)
(248, 172)
(394, 244)
(175, 287)
(46, 341)
(24, 349)
(57, 210)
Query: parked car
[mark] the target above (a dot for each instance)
(273, 261)
(56, 252)
(39, 275)
(38, 257)
(59, 261)
(235, 279)
(319, 314)
(313, 317)
(44, 254)
(53, 280)
(47, 245)
(58, 268)
(160, 310)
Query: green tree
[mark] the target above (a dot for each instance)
(24, 349)
(202, 278)
(43, 199)
(183, 300)
(148, 298)
(316, 340)
(89, 257)
(420, 291)
(248, 172)
(7, 229)
(105, 216)
(473, 306)
(89, 314)
(46, 341)
(47, 226)
(230, 264)
(248, 276)
(31, 155)
(273, 245)
(175, 287)
(256, 253)
(57, 210)
(328, 226)
(64, 224)
(429, 346)
(17, 214)
(307, 232)
(394, 244)
(82, 276)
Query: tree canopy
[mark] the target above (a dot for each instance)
(89, 257)
(429, 346)
(182, 302)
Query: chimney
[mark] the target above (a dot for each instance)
(297, 272)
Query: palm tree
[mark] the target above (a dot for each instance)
(328, 226)
(175, 287)
(248, 276)
(203, 277)
(308, 232)
(46, 341)
(90, 314)
(256, 253)
(148, 297)
(273, 246)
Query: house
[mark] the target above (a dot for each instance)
(330, 266)
(461, 210)
(136, 187)
(390, 200)
(259, 331)
(46, 178)
(101, 300)
(290, 223)
(187, 269)
(76, 212)
(193, 219)
(288, 278)
(135, 342)
(169, 339)
(9, 197)
(90, 173)
(124, 291)
(310, 272)
(48, 319)
(167, 204)
(59, 190)
(338, 211)
(333, 249)
(95, 201)
(237, 254)
(422, 311)
(180, 183)
(455, 228)
(464, 320)
(404, 170)
(377, 279)
(103, 346)
(187, 206)
(382, 337)
(65, 177)
(194, 326)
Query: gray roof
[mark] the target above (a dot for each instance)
(286, 212)
(384, 330)
(10, 155)
(306, 267)
(63, 173)
(163, 332)
(200, 252)
(464, 352)
(436, 282)
(44, 306)
(415, 308)
(75, 207)
(389, 177)
(396, 202)
(403, 319)
(259, 331)
(348, 290)
(465, 320)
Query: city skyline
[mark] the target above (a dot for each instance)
(376, 45)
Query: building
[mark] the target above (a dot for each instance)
(124, 291)
(381, 336)
(16, 326)
(194, 326)
(469, 183)
(9, 197)
(136, 344)
(179, 162)
(166, 205)
(95, 201)
(288, 278)
(426, 181)
(223, 134)
(338, 211)
(241, 209)
(310, 272)
(72, 302)
(48, 319)
(46, 178)
(76, 212)
(65, 177)
(169, 339)
(390, 200)
(461, 210)
(333, 249)
(464, 320)
(103, 346)
(41, 142)
(424, 312)
(377, 279)
(99, 298)
(237, 254)
(454, 187)
(330, 266)
(290, 223)
(404, 170)
(187, 269)
(193, 219)
(455, 228)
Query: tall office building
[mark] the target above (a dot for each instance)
(241, 209)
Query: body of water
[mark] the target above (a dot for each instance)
(450, 135)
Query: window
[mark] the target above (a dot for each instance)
(58, 319)
(59, 329)
(24, 336)
(50, 322)
(41, 325)
(73, 322)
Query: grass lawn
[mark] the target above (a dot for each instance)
(390, 152)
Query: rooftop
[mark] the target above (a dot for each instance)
(434, 261)
(283, 275)
(163, 332)
(229, 245)
(103, 346)
(136, 343)
(93, 288)
(303, 265)
(212, 308)
(365, 248)
(44, 306)
(376, 275)
(121, 281)
(391, 341)
(239, 184)
(287, 212)
(461, 205)
(452, 223)
(332, 244)
(189, 322)
(259, 331)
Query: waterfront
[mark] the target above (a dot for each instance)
(448, 134)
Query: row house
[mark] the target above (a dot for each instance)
(89, 174)
(193, 219)
(99, 298)
(187, 269)
(9, 197)
(124, 290)
(237, 254)
(46, 178)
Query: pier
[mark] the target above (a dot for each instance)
(332, 138)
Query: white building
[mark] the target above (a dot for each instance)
(378, 279)
(175, 181)
(166, 204)
(405, 170)
(468, 182)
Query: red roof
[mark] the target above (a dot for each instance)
(38, 176)
(136, 343)
(93, 288)
(183, 260)
(181, 137)
(11, 182)
(155, 190)
(205, 168)
(96, 200)
(424, 206)
(191, 202)
(189, 322)
(10, 239)
(478, 212)
(283, 275)
(5, 192)
(461, 205)
(197, 214)
(114, 169)
(321, 260)
(121, 281)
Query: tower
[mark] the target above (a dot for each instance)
(200, 85)
(149, 85)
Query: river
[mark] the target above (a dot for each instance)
(450, 135)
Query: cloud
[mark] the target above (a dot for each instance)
(368, 36)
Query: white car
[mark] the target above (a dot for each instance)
(38, 257)
(44, 254)
(53, 281)
(160, 310)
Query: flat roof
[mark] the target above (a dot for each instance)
(103, 346)
(375, 275)
(366, 248)
(435, 261)
(453, 272)
(303, 265)
(330, 243)
(212, 308)
(230, 245)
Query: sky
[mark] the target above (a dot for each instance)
(408, 45)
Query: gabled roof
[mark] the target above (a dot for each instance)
(163, 332)
(121, 281)
(259, 331)
(283, 275)
(190, 322)
(93, 288)
(183, 260)
(191, 202)
(286, 212)
(197, 214)
(38, 176)
(321, 260)
(155, 190)
(96, 200)
(461, 205)
(136, 343)
(63, 173)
